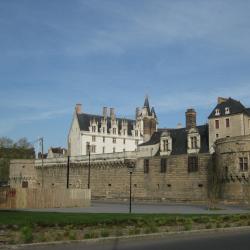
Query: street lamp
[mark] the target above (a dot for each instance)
(88, 151)
(130, 167)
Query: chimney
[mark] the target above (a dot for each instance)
(190, 118)
(221, 100)
(137, 110)
(78, 108)
(179, 125)
(105, 112)
(112, 113)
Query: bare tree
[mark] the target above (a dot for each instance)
(6, 142)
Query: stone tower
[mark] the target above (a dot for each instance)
(147, 119)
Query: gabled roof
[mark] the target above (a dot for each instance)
(84, 122)
(235, 107)
(179, 139)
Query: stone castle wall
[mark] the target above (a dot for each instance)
(110, 177)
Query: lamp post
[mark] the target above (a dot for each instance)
(88, 149)
(130, 167)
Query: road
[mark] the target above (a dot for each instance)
(123, 207)
(200, 241)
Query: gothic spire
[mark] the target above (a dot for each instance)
(146, 102)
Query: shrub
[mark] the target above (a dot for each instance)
(72, 235)
(26, 234)
(209, 226)
(104, 233)
(90, 235)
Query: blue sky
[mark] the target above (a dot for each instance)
(56, 53)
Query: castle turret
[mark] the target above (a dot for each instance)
(147, 120)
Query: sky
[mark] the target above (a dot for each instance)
(56, 53)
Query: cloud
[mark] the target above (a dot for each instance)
(177, 101)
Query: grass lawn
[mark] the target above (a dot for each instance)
(24, 226)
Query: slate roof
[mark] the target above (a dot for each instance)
(236, 107)
(84, 122)
(179, 139)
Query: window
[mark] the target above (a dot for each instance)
(124, 131)
(227, 123)
(114, 140)
(194, 142)
(103, 150)
(192, 164)
(93, 138)
(136, 142)
(25, 184)
(217, 136)
(243, 161)
(103, 129)
(136, 133)
(114, 150)
(227, 110)
(146, 166)
(163, 165)
(165, 145)
(217, 112)
(217, 124)
(103, 139)
(114, 131)
(93, 128)
(124, 141)
(93, 148)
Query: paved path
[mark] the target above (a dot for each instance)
(111, 207)
(208, 241)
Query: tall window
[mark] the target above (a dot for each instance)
(243, 161)
(114, 131)
(103, 139)
(103, 150)
(124, 131)
(136, 133)
(114, 140)
(124, 141)
(113, 149)
(192, 164)
(146, 166)
(163, 165)
(93, 129)
(227, 123)
(103, 129)
(217, 124)
(93, 148)
(93, 138)
(165, 145)
(194, 142)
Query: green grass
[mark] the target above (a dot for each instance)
(48, 219)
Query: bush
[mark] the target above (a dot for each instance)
(90, 235)
(209, 226)
(104, 233)
(26, 234)
(72, 235)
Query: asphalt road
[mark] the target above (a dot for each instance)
(123, 207)
(200, 241)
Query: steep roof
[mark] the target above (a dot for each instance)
(179, 139)
(84, 122)
(236, 107)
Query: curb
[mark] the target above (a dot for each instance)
(129, 237)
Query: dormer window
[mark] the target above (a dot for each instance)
(194, 142)
(165, 145)
(217, 112)
(227, 111)
(93, 128)
(114, 131)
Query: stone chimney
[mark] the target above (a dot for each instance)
(105, 112)
(190, 119)
(221, 100)
(137, 110)
(112, 113)
(78, 108)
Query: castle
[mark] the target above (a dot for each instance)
(192, 164)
